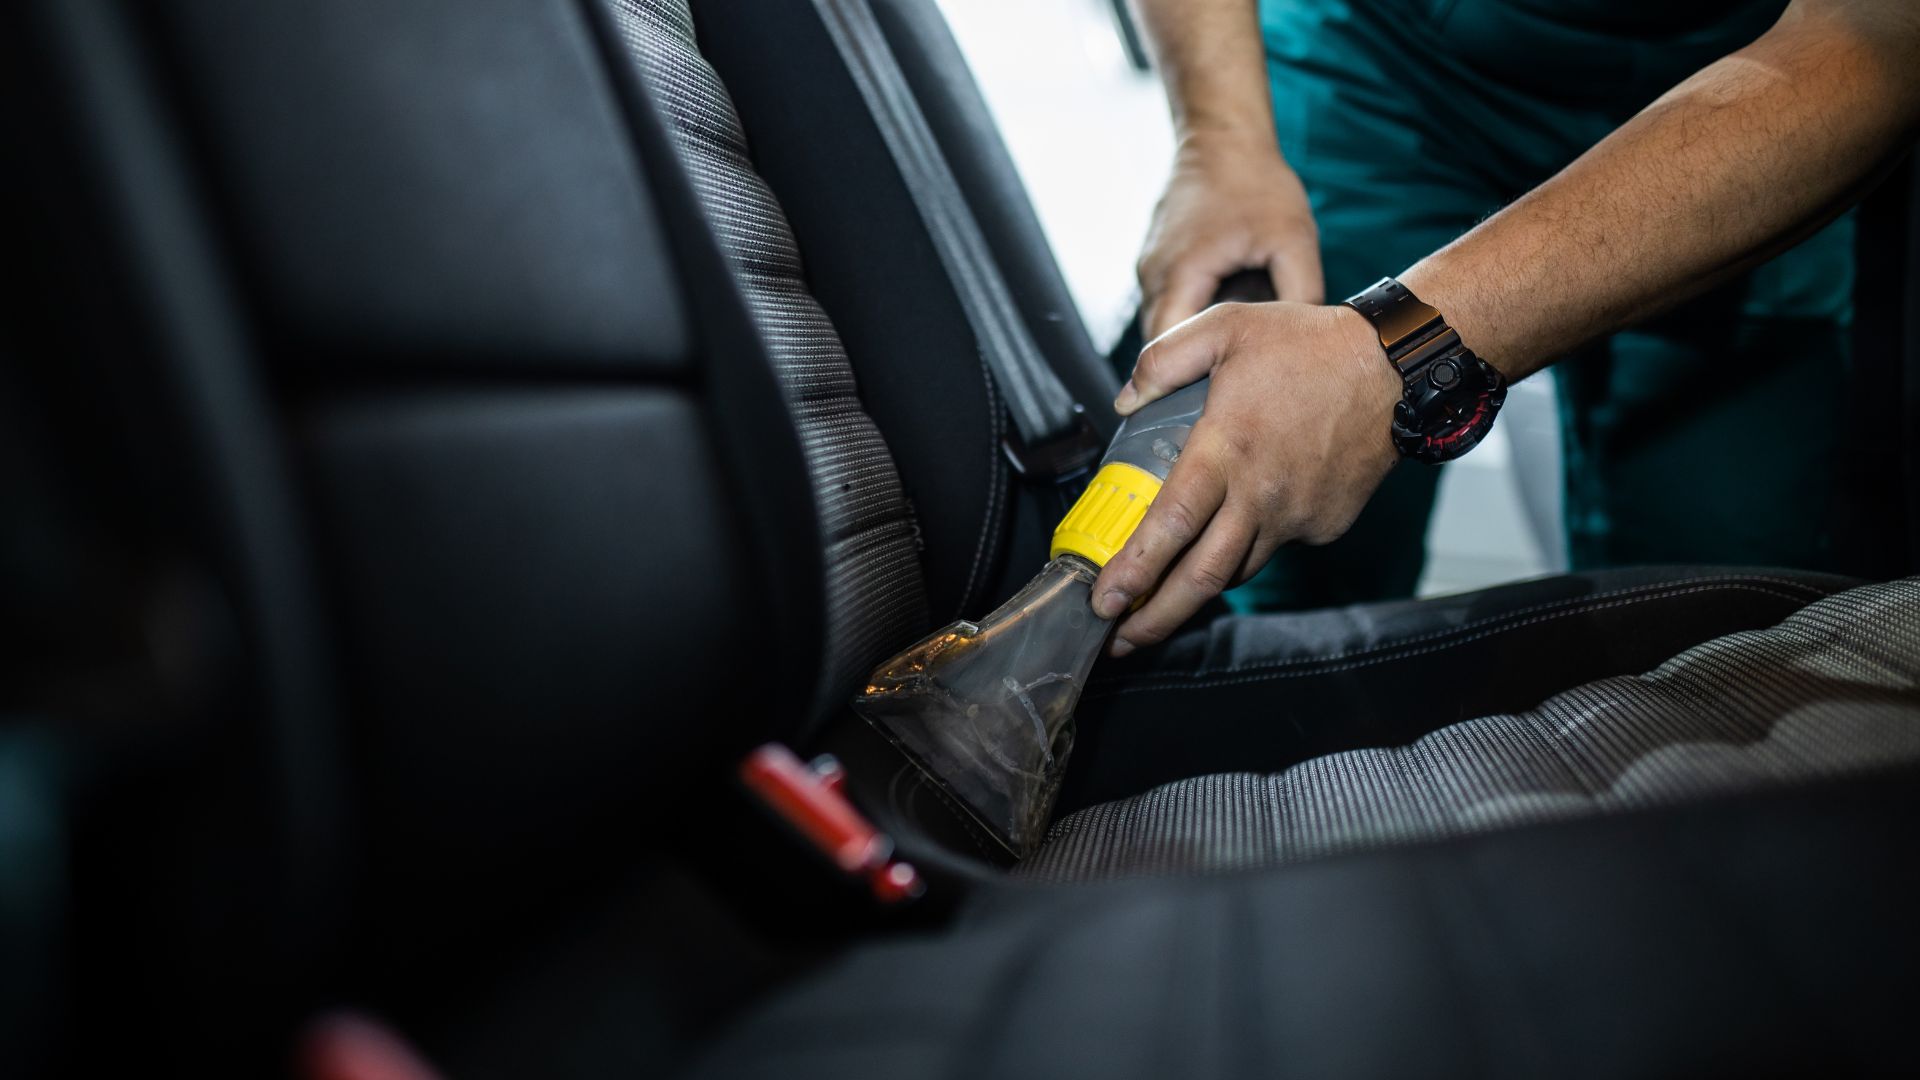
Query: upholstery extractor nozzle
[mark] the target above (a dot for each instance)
(986, 708)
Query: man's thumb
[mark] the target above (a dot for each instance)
(1172, 360)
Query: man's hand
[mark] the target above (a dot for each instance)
(1294, 440)
(1231, 204)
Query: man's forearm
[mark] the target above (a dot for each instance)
(1750, 155)
(1210, 58)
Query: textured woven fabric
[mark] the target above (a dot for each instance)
(1833, 689)
(875, 592)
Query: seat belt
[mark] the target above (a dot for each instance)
(1055, 442)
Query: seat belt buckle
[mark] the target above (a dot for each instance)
(1059, 459)
(811, 798)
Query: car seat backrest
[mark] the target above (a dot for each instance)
(506, 536)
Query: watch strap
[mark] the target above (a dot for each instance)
(1407, 327)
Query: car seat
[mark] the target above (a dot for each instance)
(466, 470)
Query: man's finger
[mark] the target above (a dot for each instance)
(1185, 294)
(1297, 275)
(1172, 361)
(1193, 492)
(1210, 566)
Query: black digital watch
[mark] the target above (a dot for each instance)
(1451, 396)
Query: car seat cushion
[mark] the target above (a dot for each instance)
(1263, 693)
(1833, 689)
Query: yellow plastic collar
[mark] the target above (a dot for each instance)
(1107, 513)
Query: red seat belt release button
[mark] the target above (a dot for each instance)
(811, 798)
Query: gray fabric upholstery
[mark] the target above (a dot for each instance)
(875, 592)
(1833, 689)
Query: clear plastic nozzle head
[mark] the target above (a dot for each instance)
(987, 708)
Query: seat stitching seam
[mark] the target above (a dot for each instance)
(1661, 591)
(1650, 592)
(1397, 650)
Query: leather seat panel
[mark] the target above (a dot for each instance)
(521, 671)
(440, 185)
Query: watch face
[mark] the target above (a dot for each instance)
(1448, 408)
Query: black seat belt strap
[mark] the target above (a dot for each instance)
(1055, 440)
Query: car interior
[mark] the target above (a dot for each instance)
(444, 445)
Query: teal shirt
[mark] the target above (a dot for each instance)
(1410, 120)
(1613, 56)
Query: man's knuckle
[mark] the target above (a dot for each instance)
(1128, 575)
(1212, 575)
(1268, 494)
(1241, 441)
(1178, 520)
